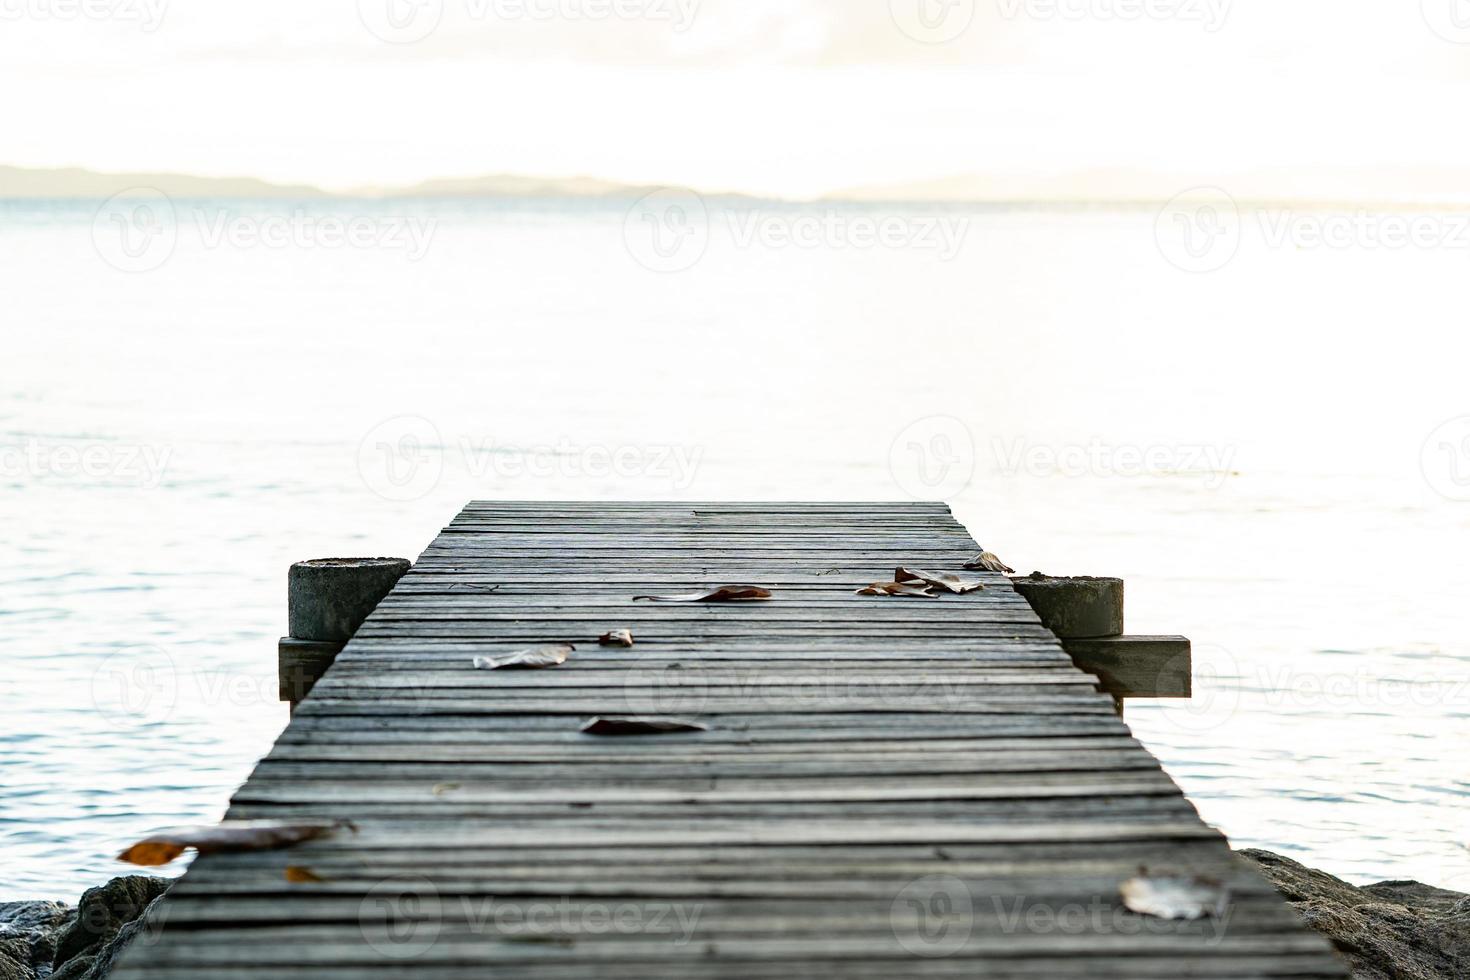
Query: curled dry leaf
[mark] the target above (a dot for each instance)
(725, 593)
(952, 583)
(533, 659)
(617, 638)
(297, 875)
(232, 835)
(641, 726)
(899, 589)
(988, 561)
(1174, 896)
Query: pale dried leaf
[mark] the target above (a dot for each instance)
(943, 580)
(443, 788)
(898, 589)
(988, 561)
(725, 593)
(617, 638)
(1174, 896)
(641, 726)
(535, 658)
(232, 835)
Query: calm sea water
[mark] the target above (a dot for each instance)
(1266, 441)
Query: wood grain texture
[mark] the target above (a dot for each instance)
(889, 787)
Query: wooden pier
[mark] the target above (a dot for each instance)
(888, 787)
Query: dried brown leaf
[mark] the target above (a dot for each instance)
(725, 593)
(641, 726)
(1165, 896)
(232, 835)
(951, 583)
(898, 589)
(617, 638)
(988, 561)
(297, 875)
(535, 658)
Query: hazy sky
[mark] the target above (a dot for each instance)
(783, 96)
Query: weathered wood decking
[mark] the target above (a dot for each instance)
(889, 787)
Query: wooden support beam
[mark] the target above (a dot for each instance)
(301, 663)
(1137, 666)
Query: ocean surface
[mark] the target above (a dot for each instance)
(1257, 417)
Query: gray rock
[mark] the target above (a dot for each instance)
(28, 932)
(15, 959)
(1394, 930)
(101, 914)
(97, 966)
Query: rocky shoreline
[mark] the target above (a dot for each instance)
(1393, 930)
(52, 941)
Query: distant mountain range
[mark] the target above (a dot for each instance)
(69, 182)
(1338, 185)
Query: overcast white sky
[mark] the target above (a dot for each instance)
(778, 96)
